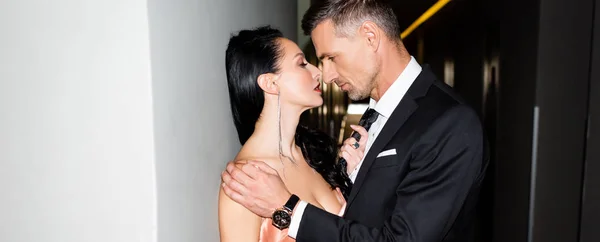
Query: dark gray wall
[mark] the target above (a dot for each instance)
(565, 31)
(517, 48)
(590, 212)
(543, 49)
(471, 33)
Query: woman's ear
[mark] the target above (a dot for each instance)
(268, 83)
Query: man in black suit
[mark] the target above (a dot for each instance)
(425, 155)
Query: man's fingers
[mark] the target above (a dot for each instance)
(349, 157)
(350, 141)
(252, 171)
(364, 134)
(238, 175)
(230, 167)
(236, 197)
(353, 156)
(237, 187)
(361, 130)
(344, 148)
(262, 166)
(225, 177)
(346, 156)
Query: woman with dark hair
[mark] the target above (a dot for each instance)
(270, 85)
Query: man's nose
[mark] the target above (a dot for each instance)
(329, 75)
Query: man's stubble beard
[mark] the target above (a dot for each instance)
(357, 93)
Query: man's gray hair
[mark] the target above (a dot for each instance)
(347, 15)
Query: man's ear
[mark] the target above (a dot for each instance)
(268, 83)
(372, 34)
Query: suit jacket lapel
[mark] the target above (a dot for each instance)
(403, 111)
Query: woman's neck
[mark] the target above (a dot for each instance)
(267, 129)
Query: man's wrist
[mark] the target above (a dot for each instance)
(296, 219)
(284, 199)
(282, 216)
(292, 202)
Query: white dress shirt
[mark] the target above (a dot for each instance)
(386, 105)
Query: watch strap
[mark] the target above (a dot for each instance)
(291, 203)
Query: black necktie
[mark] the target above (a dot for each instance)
(368, 118)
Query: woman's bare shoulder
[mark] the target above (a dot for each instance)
(236, 223)
(251, 153)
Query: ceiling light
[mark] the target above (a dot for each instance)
(430, 12)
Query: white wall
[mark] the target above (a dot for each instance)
(115, 122)
(76, 139)
(194, 131)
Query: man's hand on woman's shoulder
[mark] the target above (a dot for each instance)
(254, 185)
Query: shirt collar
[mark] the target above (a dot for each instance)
(391, 98)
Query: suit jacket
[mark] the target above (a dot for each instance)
(427, 190)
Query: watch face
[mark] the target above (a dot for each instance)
(281, 219)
